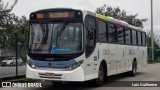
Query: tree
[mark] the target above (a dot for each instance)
(117, 13)
(4, 12)
(5, 8)
(22, 29)
(11, 24)
(14, 25)
(6, 31)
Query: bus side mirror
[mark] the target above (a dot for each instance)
(90, 34)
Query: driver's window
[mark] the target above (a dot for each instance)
(90, 35)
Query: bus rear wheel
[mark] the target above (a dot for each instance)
(134, 69)
(98, 82)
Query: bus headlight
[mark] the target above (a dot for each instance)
(73, 66)
(32, 66)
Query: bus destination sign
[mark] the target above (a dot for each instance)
(56, 15)
(59, 14)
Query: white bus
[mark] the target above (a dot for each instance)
(74, 45)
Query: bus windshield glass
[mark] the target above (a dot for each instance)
(56, 38)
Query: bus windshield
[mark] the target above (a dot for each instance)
(56, 38)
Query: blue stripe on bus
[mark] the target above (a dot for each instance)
(52, 64)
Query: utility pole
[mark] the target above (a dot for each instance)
(152, 33)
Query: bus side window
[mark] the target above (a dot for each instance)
(120, 34)
(90, 24)
(102, 31)
(112, 33)
(143, 39)
(127, 36)
(139, 38)
(134, 37)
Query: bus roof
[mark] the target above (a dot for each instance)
(55, 9)
(107, 18)
(111, 19)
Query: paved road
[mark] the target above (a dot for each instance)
(8, 71)
(151, 73)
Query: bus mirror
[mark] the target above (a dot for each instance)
(90, 34)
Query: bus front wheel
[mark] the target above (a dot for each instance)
(98, 82)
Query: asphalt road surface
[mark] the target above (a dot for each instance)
(8, 71)
(117, 82)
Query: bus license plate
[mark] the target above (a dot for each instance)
(49, 74)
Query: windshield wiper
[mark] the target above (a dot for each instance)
(61, 29)
(59, 32)
(44, 28)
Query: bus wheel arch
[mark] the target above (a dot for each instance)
(102, 72)
(134, 68)
(135, 62)
(104, 65)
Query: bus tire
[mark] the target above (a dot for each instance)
(98, 82)
(134, 69)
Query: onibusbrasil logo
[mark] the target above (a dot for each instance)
(17, 84)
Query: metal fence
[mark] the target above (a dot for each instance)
(156, 54)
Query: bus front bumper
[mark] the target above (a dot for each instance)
(74, 75)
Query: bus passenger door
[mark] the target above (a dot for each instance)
(90, 43)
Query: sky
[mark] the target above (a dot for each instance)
(142, 7)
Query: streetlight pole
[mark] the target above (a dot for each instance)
(152, 33)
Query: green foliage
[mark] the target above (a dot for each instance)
(14, 25)
(117, 13)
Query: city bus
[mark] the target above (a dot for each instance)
(70, 45)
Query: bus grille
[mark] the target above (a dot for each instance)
(56, 76)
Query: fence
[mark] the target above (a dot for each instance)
(156, 54)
